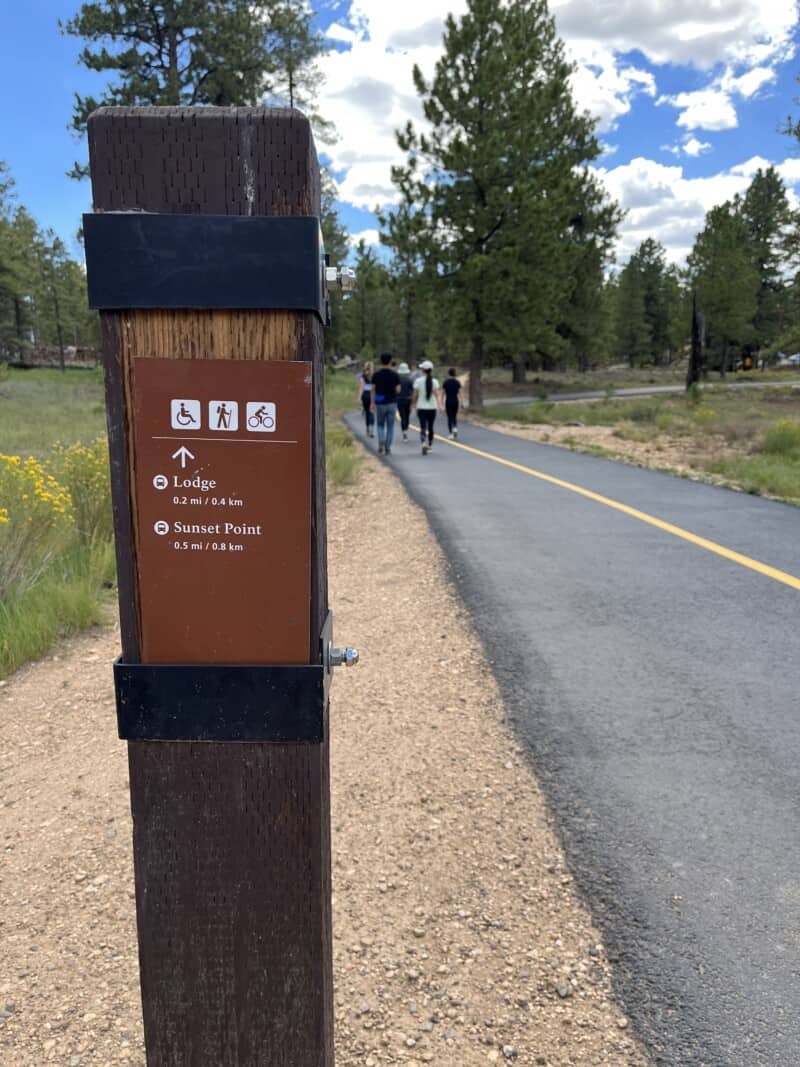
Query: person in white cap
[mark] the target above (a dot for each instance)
(427, 401)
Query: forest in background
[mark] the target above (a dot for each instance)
(500, 248)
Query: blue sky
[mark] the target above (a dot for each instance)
(689, 96)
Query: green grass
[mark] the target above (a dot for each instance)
(497, 380)
(71, 595)
(41, 408)
(342, 459)
(341, 392)
(762, 475)
(762, 426)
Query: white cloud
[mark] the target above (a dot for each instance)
(706, 109)
(604, 88)
(693, 147)
(747, 85)
(369, 93)
(662, 203)
(704, 33)
(369, 237)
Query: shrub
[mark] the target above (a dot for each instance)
(83, 470)
(341, 459)
(704, 416)
(664, 420)
(783, 439)
(36, 519)
(642, 412)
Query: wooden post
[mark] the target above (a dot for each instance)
(231, 840)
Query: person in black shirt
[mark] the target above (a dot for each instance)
(452, 387)
(385, 387)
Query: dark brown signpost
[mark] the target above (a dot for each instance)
(203, 255)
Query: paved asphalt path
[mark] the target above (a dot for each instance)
(657, 688)
(643, 390)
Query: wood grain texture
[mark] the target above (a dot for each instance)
(231, 841)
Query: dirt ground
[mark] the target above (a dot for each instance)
(678, 454)
(459, 940)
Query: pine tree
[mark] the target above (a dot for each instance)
(634, 339)
(337, 248)
(766, 212)
(188, 52)
(499, 175)
(295, 46)
(727, 281)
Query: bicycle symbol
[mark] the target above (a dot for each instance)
(261, 416)
(260, 420)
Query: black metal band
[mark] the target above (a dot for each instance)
(213, 702)
(141, 260)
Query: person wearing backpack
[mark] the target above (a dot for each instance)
(452, 387)
(405, 397)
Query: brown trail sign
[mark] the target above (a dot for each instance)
(203, 254)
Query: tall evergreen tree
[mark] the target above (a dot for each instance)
(727, 281)
(42, 290)
(337, 247)
(585, 322)
(295, 47)
(767, 215)
(634, 339)
(500, 173)
(173, 52)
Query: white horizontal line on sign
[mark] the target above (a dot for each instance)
(227, 440)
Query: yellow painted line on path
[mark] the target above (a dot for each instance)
(710, 546)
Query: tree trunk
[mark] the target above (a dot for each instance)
(173, 73)
(59, 330)
(698, 343)
(726, 347)
(518, 372)
(18, 326)
(475, 371)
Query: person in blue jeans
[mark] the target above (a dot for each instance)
(385, 387)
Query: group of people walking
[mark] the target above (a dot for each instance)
(387, 393)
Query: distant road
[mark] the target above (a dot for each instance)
(645, 632)
(645, 390)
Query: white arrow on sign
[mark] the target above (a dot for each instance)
(183, 454)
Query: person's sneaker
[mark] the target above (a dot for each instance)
(455, 431)
(450, 436)
(387, 451)
(405, 436)
(371, 433)
(380, 449)
(430, 446)
(424, 449)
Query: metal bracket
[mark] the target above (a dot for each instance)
(144, 260)
(222, 702)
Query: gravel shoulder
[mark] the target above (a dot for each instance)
(459, 939)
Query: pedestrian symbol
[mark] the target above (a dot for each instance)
(223, 415)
